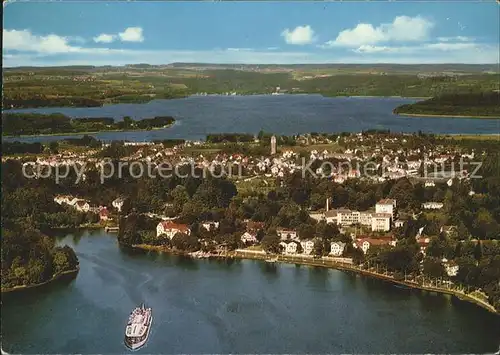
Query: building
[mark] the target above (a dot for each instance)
(118, 203)
(291, 247)
(103, 214)
(287, 234)
(318, 217)
(450, 267)
(365, 218)
(337, 248)
(423, 242)
(432, 205)
(82, 206)
(386, 206)
(273, 145)
(331, 216)
(399, 223)
(381, 222)
(307, 246)
(249, 238)
(365, 243)
(170, 228)
(210, 225)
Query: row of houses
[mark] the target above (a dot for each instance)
(82, 205)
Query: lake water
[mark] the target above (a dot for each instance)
(243, 306)
(284, 114)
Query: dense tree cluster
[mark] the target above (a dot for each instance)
(34, 123)
(463, 104)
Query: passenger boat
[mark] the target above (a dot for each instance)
(138, 327)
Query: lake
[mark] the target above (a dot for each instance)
(196, 116)
(239, 306)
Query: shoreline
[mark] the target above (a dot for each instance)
(86, 133)
(54, 278)
(446, 116)
(255, 255)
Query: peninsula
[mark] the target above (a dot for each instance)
(470, 105)
(27, 124)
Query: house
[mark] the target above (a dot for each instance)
(331, 216)
(287, 234)
(60, 199)
(170, 228)
(290, 247)
(254, 226)
(429, 183)
(82, 206)
(210, 225)
(398, 223)
(423, 242)
(118, 203)
(249, 238)
(381, 222)
(337, 248)
(317, 216)
(365, 243)
(103, 214)
(447, 230)
(386, 206)
(307, 246)
(432, 205)
(450, 267)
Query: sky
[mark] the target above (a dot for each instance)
(131, 32)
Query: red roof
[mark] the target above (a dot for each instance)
(171, 225)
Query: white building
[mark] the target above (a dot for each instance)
(307, 246)
(337, 248)
(248, 238)
(432, 205)
(317, 216)
(118, 204)
(287, 234)
(170, 228)
(210, 225)
(381, 222)
(386, 206)
(82, 206)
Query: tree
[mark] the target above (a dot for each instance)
(433, 267)
(271, 243)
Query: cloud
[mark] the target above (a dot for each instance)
(300, 35)
(239, 49)
(24, 40)
(104, 38)
(132, 34)
(402, 29)
(455, 39)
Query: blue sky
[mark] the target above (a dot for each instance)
(117, 33)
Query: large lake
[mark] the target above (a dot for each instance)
(202, 306)
(284, 114)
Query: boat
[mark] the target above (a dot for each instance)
(273, 260)
(138, 327)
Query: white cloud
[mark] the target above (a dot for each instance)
(132, 34)
(455, 39)
(402, 29)
(239, 49)
(104, 38)
(24, 40)
(300, 35)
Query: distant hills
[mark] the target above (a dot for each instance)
(378, 68)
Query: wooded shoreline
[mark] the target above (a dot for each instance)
(56, 277)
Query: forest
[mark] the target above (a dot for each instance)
(95, 87)
(484, 104)
(15, 124)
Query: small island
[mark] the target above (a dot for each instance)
(469, 105)
(28, 124)
(31, 259)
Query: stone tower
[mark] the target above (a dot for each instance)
(273, 145)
